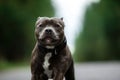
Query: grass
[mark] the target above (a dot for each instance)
(9, 65)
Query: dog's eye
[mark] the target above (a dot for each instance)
(57, 25)
(40, 25)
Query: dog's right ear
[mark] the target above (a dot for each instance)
(37, 22)
(38, 18)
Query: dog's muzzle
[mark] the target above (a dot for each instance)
(48, 31)
(48, 35)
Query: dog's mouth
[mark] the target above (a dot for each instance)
(49, 40)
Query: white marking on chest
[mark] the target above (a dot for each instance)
(50, 47)
(46, 65)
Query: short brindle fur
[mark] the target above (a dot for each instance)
(61, 62)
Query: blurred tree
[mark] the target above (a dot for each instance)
(100, 38)
(17, 19)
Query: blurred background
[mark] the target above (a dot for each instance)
(92, 30)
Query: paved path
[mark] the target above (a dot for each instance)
(83, 71)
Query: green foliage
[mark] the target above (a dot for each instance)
(100, 38)
(17, 19)
(12, 65)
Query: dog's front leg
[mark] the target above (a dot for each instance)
(58, 76)
(35, 74)
(36, 71)
(35, 77)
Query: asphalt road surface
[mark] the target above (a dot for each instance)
(83, 71)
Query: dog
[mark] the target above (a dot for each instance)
(51, 57)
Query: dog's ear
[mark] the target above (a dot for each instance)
(61, 18)
(38, 17)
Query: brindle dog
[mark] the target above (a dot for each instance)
(51, 57)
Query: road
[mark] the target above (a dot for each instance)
(83, 71)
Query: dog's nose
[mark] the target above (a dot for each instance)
(48, 31)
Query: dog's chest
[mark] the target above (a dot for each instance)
(46, 65)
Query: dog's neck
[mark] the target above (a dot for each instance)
(54, 49)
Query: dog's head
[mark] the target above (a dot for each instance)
(49, 31)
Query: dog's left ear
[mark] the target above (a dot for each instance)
(61, 18)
